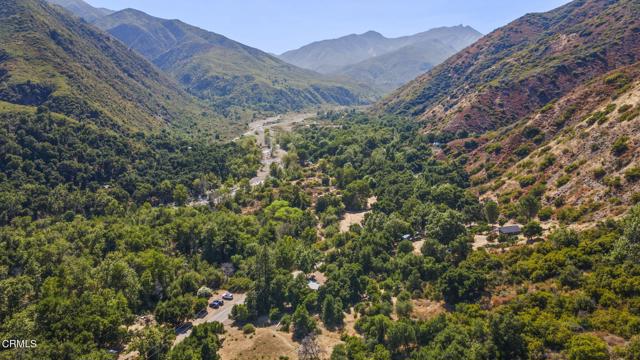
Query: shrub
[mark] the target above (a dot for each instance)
(239, 284)
(248, 329)
(470, 144)
(587, 347)
(624, 108)
(522, 151)
(547, 161)
(632, 174)
(526, 180)
(563, 180)
(545, 213)
(558, 202)
(204, 292)
(597, 117)
(572, 167)
(539, 139)
(239, 313)
(285, 323)
(493, 148)
(620, 146)
(569, 215)
(630, 115)
(613, 181)
(599, 172)
(530, 132)
(405, 247)
(617, 80)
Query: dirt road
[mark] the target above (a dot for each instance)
(269, 156)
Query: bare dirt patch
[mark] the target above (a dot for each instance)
(356, 218)
(424, 309)
(268, 343)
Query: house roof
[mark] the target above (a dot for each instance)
(510, 229)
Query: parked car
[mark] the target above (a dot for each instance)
(215, 304)
(227, 296)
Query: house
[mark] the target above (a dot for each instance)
(509, 230)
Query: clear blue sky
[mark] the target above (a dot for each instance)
(280, 25)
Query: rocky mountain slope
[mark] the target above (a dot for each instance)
(56, 62)
(224, 71)
(523, 66)
(581, 152)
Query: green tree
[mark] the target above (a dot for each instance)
(239, 313)
(628, 245)
(332, 313)
(491, 211)
(153, 342)
(506, 332)
(529, 206)
(303, 323)
(532, 229)
(461, 285)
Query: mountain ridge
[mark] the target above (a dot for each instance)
(313, 55)
(72, 68)
(218, 69)
(497, 80)
(376, 60)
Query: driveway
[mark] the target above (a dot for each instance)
(220, 315)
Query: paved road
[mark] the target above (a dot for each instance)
(220, 315)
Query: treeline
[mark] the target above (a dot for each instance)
(53, 165)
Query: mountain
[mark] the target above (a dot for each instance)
(57, 62)
(224, 71)
(547, 105)
(384, 63)
(389, 71)
(331, 55)
(520, 68)
(82, 9)
(580, 154)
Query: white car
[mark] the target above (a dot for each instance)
(227, 296)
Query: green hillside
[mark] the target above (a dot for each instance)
(225, 72)
(51, 60)
(82, 9)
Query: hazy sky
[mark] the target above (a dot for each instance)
(280, 25)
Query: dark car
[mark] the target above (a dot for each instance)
(215, 304)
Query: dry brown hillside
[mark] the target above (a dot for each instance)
(581, 151)
(519, 68)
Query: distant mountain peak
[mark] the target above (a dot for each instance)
(353, 55)
(82, 9)
(372, 34)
